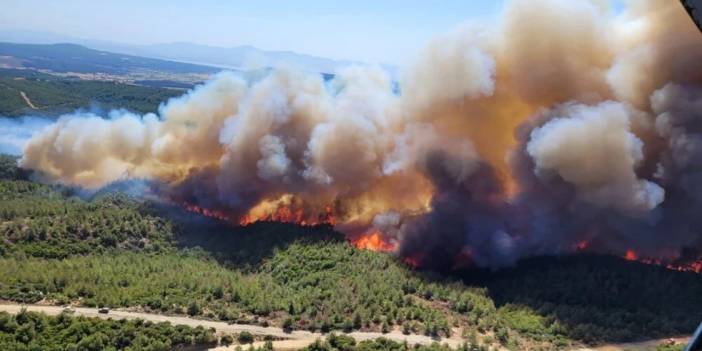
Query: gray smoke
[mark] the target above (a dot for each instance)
(561, 128)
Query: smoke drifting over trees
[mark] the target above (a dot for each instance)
(561, 128)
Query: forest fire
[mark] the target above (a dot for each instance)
(374, 241)
(630, 255)
(484, 145)
(288, 209)
(281, 214)
(691, 266)
(206, 212)
(695, 266)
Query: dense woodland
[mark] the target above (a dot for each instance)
(33, 331)
(42, 222)
(344, 343)
(600, 298)
(111, 249)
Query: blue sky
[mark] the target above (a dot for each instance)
(368, 30)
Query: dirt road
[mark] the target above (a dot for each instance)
(29, 102)
(294, 340)
(648, 345)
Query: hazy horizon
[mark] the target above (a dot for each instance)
(378, 32)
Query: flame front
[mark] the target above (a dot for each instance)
(374, 241)
(206, 212)
(676, 265)
(289, 209)
(630, 255)
(695, 266)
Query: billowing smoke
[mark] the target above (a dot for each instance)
(593, 148)
(564, 127)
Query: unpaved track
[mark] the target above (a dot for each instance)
(296, 339)
(648, 345)
(29, 102)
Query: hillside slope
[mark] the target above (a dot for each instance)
(50, 96)
(119, 251)
(80, 59)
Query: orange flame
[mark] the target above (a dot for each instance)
(630, 255)
(288, 215)
(206, 212)
(582, 245)
(375, 242)
(687, 267)
(695, 266)
(288, 209)
(283, 210)
(280, 214)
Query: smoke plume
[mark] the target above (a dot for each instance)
(564, 127)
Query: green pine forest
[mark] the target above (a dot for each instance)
(112, 249)
(52, 95)
(34, 331)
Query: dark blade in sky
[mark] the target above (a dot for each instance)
(694, 8)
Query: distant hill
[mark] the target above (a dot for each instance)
(76, 58)
(234, 57)
(50, 95)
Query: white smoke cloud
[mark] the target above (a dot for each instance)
(555, 51)
(88, 150)
(274, 162)
(450, 68)
(617, 114)
(593, 148)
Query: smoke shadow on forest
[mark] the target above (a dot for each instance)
(244, 246)
(593, 298)
(597, 298)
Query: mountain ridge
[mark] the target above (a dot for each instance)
(235, 57)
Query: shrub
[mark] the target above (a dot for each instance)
(245, 338)
(226, 340)
(193, 309)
